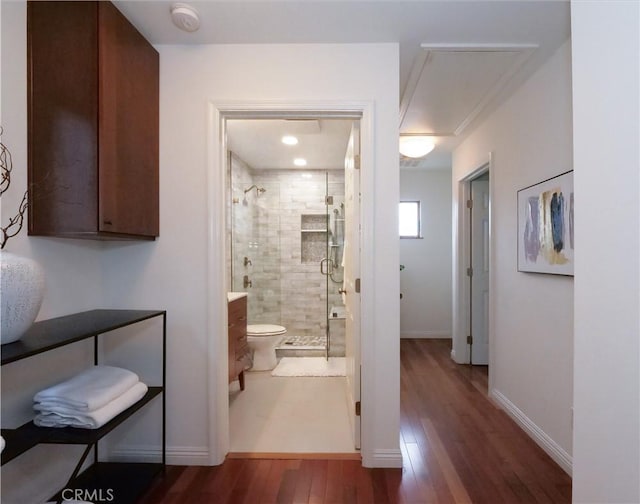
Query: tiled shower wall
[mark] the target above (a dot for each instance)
(256, 224)
(303, 287)
(267, 229)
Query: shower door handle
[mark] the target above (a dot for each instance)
(329, 262)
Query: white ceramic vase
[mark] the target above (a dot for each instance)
(21, 291)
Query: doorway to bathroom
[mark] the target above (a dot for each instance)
(290, 208)
(287, 242)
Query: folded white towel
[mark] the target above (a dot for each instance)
(3, 443)
(91, 389)
(63, 416)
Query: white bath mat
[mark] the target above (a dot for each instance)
(310, 366)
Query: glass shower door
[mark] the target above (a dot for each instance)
(326, 265)
(334, 208)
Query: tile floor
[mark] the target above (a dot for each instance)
(303, 342)
(289, 415)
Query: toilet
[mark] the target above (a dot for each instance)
(263, 340)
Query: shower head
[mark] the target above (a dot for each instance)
(259, 190)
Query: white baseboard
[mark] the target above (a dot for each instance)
(384, 458)
(199, 456)
(553, 449)
(425, 334)
(176, 455)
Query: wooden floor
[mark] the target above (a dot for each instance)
(456, 446)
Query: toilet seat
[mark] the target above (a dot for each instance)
(258, 330)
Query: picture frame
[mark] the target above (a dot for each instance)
(546, 226)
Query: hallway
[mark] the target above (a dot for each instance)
(457, 447)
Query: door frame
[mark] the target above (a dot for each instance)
(462, 259)
(217, 245)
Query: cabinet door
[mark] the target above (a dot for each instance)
(62, 41)
(241, 343)
(238, 346)
(128, 127)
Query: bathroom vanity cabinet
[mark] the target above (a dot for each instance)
(238, 345)
(125, 481)
(93, 123)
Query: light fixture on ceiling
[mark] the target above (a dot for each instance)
(185, 17)
(289, 140)
(300, 162)
(416, 146)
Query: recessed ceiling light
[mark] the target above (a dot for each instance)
(416, 146)
(300, 162)
(289, 140)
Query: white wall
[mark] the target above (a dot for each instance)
(172, 273)
(606, 70)
(73, 283)
(425, 309)
(531, 348)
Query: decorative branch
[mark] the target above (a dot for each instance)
(17, 221)
(7, 165)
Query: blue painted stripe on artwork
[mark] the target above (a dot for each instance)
(557, 221)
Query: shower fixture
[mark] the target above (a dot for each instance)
(259, 190)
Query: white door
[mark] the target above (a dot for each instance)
(480, 268)
(352, 274)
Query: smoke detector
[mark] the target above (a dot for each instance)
(185, 17)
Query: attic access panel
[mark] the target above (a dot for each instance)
(450, 85)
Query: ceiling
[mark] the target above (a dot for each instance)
(458, 59)
(322, 143)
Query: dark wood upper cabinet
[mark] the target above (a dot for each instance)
(93, 123)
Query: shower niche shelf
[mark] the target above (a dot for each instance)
(314, 222)
(313, 237)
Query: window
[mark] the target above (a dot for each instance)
(410, 219)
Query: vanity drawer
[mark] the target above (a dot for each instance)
(238, 312)
(237, 334)
(239, 337)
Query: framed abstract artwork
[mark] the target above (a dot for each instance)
(545, 226)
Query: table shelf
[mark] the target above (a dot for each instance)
(128, 481)
(28, 435)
